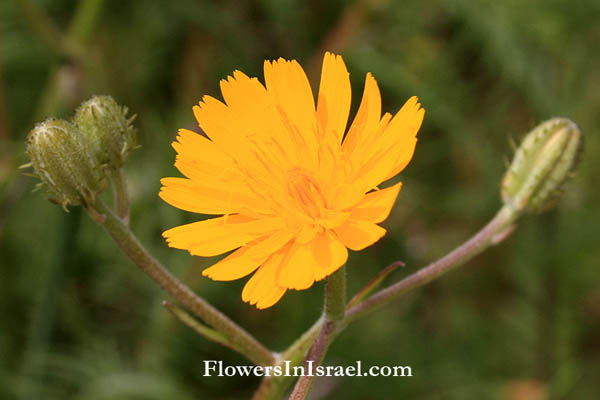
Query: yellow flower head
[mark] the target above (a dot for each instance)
(292, 189)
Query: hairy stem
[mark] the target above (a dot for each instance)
(334, 310)
(335, 295)
(121, 196)
(313, 358)
(201, 329)
(127, 241)
(490, 234)
(84, 21)
(273, 387)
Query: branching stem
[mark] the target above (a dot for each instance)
(127, 241)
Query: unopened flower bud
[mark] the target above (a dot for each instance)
(62, 158)
(109, 130)
(542, 164)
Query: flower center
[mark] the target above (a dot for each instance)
(306, 193)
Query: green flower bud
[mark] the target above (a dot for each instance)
(63, 160)
(542, 164)
(109, 130)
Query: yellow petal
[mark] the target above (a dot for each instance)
(248, 127)
(215, 119)
(200, 160)
(367, 118)
(347, 195)
(364, 149)
(356, 234)
(389, 153)
(193, 146)
(246, 259)
(229, 129)
(186, 195)
(209, 174)
(329, 253)
(288, 85)
(376, 206)
(257, 119)
(333, 105)
(306, 263)
(262, 289)
(402, 159)
(198, 197)
(216, 236)
(298, 269)
(244, 95)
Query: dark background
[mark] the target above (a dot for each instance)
(521, 321)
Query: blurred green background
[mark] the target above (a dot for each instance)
(521, 321)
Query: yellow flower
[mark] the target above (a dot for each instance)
(292, 191)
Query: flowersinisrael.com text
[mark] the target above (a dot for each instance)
(216, 368)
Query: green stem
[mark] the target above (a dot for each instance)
(84, 21)
(335, 308)
(200, 329)
(495, 231)
(314, 357)
(120, 194)
(295, 353)
(273, 387)
(335, 295)
(80, 28)
(127, 241)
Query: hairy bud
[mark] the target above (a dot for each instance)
(62, 158)
(108, 128)
(546, 159)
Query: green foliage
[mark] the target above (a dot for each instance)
(77, 321)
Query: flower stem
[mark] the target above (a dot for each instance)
(198, 327)
(127, 241)
(297, 350)
(273, 387)
(494, 232)
(335, 308)
(121, 196)
(314, 357)
(335, 295)
(84, 21)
